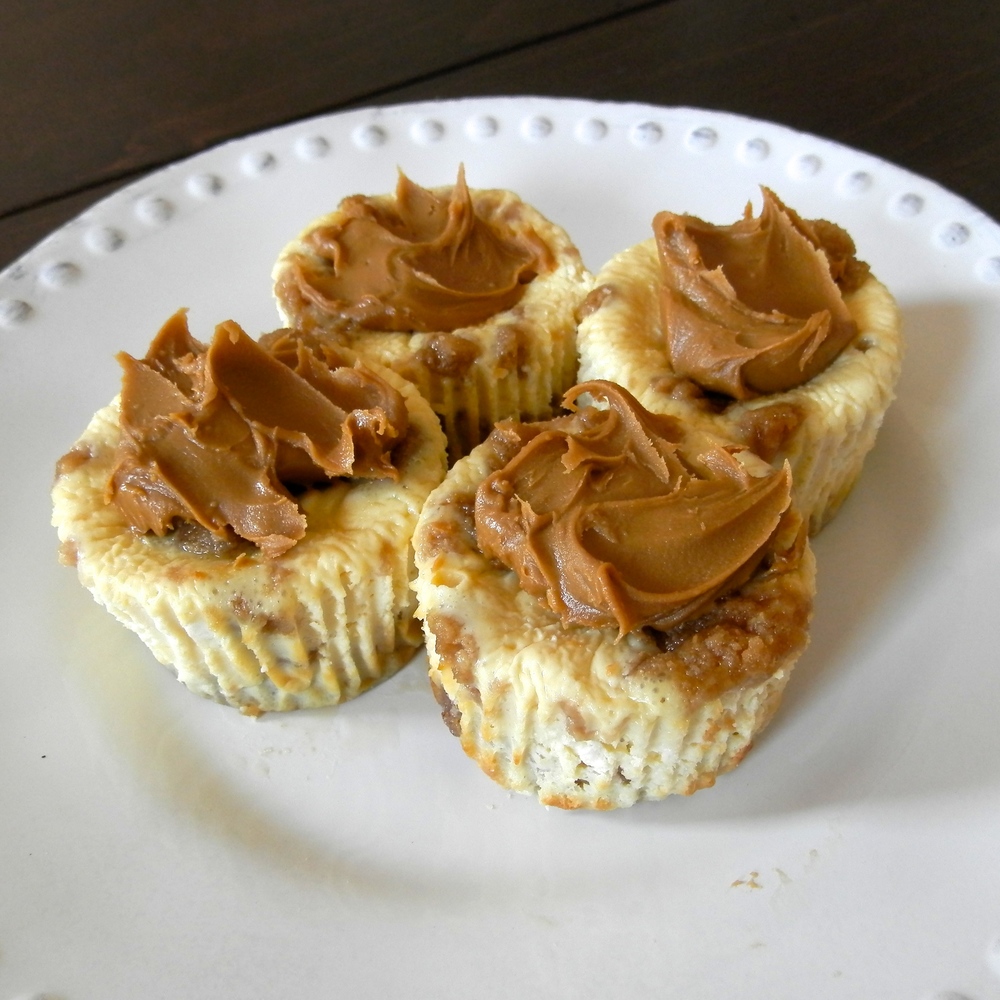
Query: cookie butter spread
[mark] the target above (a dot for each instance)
(423, 261)
(619, 517)
(755, 307)
(218, 436)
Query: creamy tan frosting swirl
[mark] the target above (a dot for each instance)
(755, 307)
(218, 435)
(423, 261)
(620, 517)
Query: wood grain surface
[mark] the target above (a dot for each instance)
(96, 94)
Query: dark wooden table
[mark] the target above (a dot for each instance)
(96, 94)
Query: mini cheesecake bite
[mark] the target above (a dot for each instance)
(612, 602)
(768, 332)
(247, 507)
(472, 295)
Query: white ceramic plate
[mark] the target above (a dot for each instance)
(156, 845)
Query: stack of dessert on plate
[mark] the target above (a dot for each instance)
(613, 590)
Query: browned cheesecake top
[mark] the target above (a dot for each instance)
(616, 516)
(421, 261)
(219, 436)
(755, 307)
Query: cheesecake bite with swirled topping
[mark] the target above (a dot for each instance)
(613, 602)
(470, 294)
(768, 332)
(246, 507)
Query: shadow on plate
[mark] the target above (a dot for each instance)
(168, 750)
